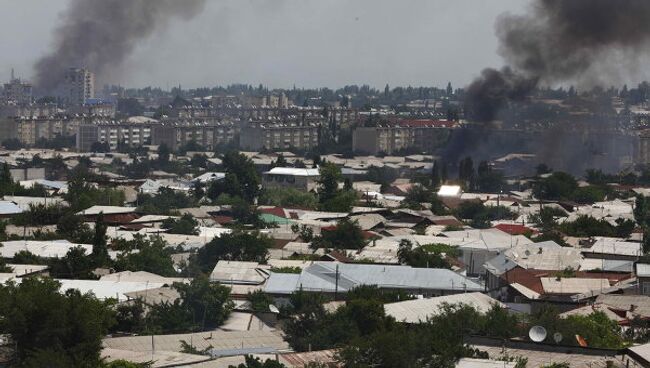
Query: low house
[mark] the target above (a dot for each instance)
(334, 278)
(419, 310)
(282, 177)
(111, 214)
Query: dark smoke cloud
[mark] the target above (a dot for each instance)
(558, 41)
(100, 34)
(493, 89)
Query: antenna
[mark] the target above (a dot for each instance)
(537, 333)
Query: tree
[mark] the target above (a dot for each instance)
(150, 255)
(259, 300)
(100, 247)
(435, 175)
(487, 179)
(186, 225)
(75, 265)
(242, 170)
(73, 228)
(415, 196)
(558, 185)
(347, 234)
(328, 183)
(51, 328)
(236, 246)
(466, 172)
(164, 154)
(288, 197)
(252, 362)
(206, 301)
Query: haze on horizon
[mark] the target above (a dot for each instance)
(281, 43)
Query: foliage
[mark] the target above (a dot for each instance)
(330, 197)
(305, 232)
(585, 226)
(236, 246)
(53, 328)
(369, 292)
(27, 257)
(164, 202)
(201, 305)
(558, 185)
(480, 216)
(347, 234)
(487, 179)
(82, 195)
(597, 329)
(100, 246)
(415, 196)
(429, 256)
(186, 225)
(288, 197)
(259, 300)
(150, 255)
(252, 362)
(73, 228)
(241, 178)
(75, 265)
(39, 215)
(286, 269)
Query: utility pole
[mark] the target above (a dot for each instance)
(336, 283)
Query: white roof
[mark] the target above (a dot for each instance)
(554, 285)
(9, 208)
(484, 363)
(614, 246)
(293, 171)
(46, 249)
(25, 269)
(419, 310)
(450, 191)
(528, 293)
(107, 289)
(239, 272)
(141, 276)
(106, 210)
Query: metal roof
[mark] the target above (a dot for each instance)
(9, 208)
(419, 310)
(321, 276)
(292, 171)
(47, 249)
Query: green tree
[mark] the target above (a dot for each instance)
(236, 246)
(100, 246)
(558, 185)
(75, 265)
(435, 175)
(252, 362)
(347, 234)
(328, 183)
(208, 302)
(259, 300)
(186, 225)
(288, 197)
(150, 255)
(53, 328)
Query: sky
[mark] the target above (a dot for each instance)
(282, 43)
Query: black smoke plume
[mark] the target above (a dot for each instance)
(100, 34)
(559, 41)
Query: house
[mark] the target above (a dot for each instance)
(282, 177)
(9, 209)
(334, 278)
(419, 310)
(111, 214)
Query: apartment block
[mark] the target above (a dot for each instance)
(422, 135)
(256, 136)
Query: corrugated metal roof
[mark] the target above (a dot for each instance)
(9, 208)
(292, 171)
(322, 277)
(553, 285)
(46, 249)
(419, 310)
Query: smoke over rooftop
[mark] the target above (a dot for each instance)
(559, 41)
(100, 34)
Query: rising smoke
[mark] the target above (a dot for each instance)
(100, 34)
(558, 41)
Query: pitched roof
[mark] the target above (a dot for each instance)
(419, 310)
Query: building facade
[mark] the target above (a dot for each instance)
(79, 86)
(256, 136)
(17, 92)
(421, 135)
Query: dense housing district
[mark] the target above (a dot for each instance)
(245, 227)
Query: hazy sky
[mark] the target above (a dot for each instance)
(309, 43)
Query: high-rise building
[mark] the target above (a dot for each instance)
(17, 92)
(79, 86)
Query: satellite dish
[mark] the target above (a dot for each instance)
(273, 308)
(537, 334)
(557, 337)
